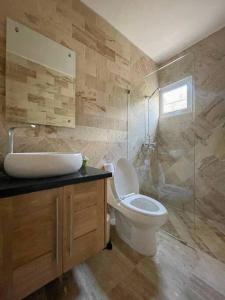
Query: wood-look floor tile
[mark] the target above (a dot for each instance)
(198, 289)
(197, 231)
(87, 284)
(211, 270)
(131, 254)
(176, 272)
(211, 239)
(118, 267)
(134, 287)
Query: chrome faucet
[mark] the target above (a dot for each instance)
(11, 133)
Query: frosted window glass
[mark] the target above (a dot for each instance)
(176, 97)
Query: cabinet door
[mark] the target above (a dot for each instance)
(32, 241)
(83, 222)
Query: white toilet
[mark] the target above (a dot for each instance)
(137, 217)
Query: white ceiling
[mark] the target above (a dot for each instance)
(162, 28)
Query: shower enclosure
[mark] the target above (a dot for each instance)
(161, 142)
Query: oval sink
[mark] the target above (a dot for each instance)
(43, 164)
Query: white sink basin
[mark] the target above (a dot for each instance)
(37, 165)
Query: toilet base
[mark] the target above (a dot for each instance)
(141, 239)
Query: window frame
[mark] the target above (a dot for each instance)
(185, 81)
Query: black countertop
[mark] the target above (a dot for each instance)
(10, 186)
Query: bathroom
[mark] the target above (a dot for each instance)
(117, 117)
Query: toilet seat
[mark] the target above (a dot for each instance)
(137, 217)
(127, 190)
(143, 205)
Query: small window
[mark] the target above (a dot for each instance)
(176, 98)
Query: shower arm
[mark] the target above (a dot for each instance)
(149, 97)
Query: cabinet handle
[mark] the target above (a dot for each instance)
(71, 225)
(57, 231)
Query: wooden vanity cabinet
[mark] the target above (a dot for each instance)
(83, 222)
(31, 238)
(45, 233)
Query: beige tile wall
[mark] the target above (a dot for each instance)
(201, 134)
(36, 94)
(191, 151)
(107, 65)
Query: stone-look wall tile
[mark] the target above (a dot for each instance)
(170, 171)
(186, 172)
(37, 94)
(207, 132)
(207, 129)
(210, 104)
(140, 67)
(104, 72)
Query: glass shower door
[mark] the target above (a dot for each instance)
(164, 159)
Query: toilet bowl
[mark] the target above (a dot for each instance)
(137, 217)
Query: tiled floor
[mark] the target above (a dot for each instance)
(198, 231)
(176, 272)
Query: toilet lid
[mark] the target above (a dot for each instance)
(125, 178)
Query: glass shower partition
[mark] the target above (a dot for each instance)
(161, 142)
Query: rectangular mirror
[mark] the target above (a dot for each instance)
(40, 78)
